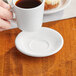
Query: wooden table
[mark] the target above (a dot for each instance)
(63, 63)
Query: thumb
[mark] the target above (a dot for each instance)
(4, 5)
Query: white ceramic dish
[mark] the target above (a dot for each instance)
(44, 43)
(63, 4)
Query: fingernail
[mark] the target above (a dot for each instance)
(8, 6)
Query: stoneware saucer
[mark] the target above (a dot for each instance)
(43, 43)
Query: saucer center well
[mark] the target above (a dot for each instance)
(38, 45)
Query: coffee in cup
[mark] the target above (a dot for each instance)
(28, 3)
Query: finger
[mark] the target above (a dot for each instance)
(4, 24)
(5, 14)
(4, 5)
(2, 29)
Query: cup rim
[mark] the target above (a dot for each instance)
(28, 8)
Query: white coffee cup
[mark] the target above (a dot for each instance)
(29, 19)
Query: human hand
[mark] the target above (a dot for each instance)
(5, 15)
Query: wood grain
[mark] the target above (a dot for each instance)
(63, 63)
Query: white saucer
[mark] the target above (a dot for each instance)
(44, 43)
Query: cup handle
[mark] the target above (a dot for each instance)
(11, 4)
(14, 18)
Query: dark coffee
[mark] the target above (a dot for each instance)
(27, 3)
